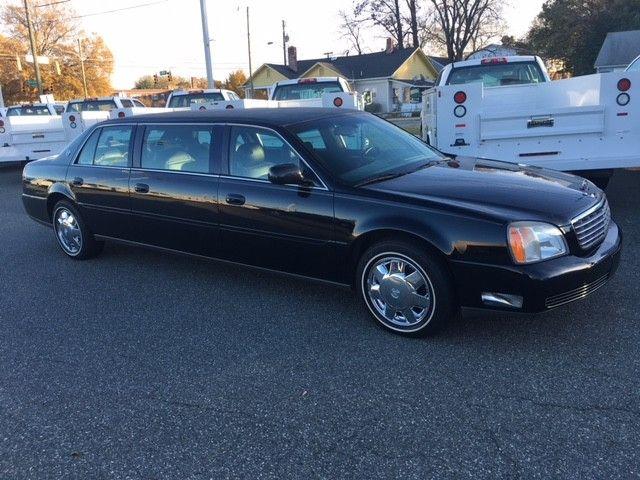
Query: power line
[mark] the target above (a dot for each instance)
(52, 3)
(121, 9)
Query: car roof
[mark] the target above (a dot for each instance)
(272, 117)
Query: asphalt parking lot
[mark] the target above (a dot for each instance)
(145, 365)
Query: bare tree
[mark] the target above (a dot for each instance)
(413, 22)
(459, 25)
(350, 26)
(386, 14)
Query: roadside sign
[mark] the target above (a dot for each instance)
(42, 60)
(32, 83)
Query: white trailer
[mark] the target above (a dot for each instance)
(586, 124)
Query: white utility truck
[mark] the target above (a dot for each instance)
(315, 92)
(507, 108)
(81, 114)
(186, 98)
(30, 131)
(322, 92)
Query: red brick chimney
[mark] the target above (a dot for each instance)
(390, 45)
(292, 54)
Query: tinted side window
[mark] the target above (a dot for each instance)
(89, 149)
(177, 147)
(255, 150)
(112, 149)
(126, 103)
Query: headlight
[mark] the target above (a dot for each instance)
(534, 241)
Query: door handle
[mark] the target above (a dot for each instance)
(235, 199)
(77, 181)
(141, 188)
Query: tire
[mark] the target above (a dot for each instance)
(72, 233)
(416, 307)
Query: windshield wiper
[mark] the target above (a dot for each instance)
(391, 176)
(381, 178)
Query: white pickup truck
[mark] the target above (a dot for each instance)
(508, 109)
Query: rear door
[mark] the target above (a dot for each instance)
(174, 188)
(99, 179)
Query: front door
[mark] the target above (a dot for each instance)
(99, 179)
(281, 227)
(174, 191)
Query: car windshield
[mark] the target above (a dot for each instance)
(362, 148)
(305, 90)
(178, 101)
(27, 111)
(498, 74)
(91, 106)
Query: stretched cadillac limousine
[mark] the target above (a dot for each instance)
(340, 196)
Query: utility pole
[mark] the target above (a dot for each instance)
(207, 43)
(249, 48)
(285, 39)
(32, 40)
(84, 76)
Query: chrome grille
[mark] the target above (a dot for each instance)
(591, 226)
(576, 293)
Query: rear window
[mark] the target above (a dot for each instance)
(27, 111)
(178, 101)
(304, 91)
(91, 106)
(497, 75)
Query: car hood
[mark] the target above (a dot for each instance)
(504, 191)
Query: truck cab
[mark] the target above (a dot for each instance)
(187, 98)
(32, 110)
(495, 71)
(307, 88)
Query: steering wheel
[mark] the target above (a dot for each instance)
(371, 152)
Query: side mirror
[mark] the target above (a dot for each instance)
(287, 174)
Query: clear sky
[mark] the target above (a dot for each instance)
(167, 34)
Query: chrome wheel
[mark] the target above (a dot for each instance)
(399, 290)
(68, 231)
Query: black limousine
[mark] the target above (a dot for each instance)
(336, 195)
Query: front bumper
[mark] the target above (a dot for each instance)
(543, 285)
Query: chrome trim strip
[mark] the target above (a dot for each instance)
(590, 210)
(159, 170)
(260, 180)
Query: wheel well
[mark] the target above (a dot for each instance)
(366, 240)
(52, 200)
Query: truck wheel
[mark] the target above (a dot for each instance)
(406, 289)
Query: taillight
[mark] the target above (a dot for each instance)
(121, 115)
(72, 118)
(460, 97)
(624, 84)
(338, 101)
(623, 99)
